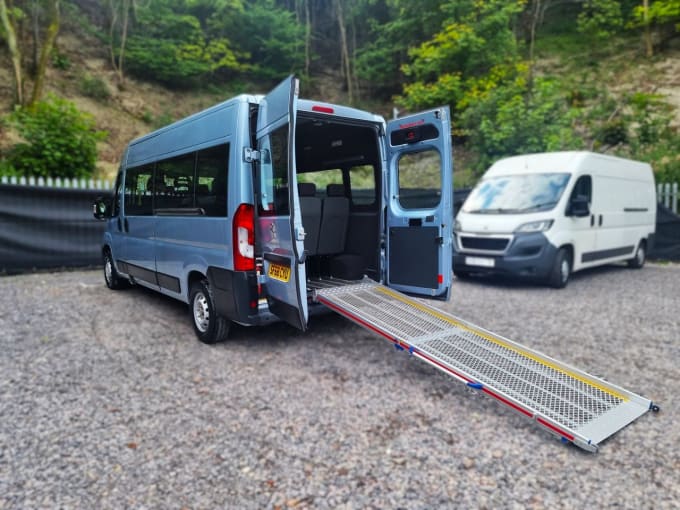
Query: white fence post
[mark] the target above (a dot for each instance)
(675, 197)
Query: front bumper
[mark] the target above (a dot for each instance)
(527, 255)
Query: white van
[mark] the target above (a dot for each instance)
(546, 215)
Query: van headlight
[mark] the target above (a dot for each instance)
(534, 226)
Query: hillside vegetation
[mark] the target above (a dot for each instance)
(80, 78)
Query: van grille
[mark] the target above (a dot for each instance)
(484, 243)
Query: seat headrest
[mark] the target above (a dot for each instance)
(335, 190)
(306, 189)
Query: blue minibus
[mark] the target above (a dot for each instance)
(244, 209)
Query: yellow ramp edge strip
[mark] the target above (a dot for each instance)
(497, 341)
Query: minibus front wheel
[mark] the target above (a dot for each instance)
(113, 280)
(208, 325)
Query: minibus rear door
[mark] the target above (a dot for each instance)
(279, 222)
(420, 203)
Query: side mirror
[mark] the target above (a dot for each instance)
(101, 209)
(578, 206)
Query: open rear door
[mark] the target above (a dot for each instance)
(279, 223)
(420, 203)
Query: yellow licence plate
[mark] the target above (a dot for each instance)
(279, 272)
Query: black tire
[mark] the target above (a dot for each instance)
(114, 281)
(640, 256)
(209, 327)
(561, 270)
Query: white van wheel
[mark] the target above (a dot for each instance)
(208, 325)
(640, 256)
(561, 270)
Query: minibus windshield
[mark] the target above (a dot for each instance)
(513, 194)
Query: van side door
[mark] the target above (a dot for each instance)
(420, 203)
(279, 221)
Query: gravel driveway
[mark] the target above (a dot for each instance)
(107, 400)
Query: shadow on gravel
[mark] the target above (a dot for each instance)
(582, 276)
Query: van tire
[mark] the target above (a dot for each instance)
(209, 327)
(640, 256)
(561, 270)
(114, 281)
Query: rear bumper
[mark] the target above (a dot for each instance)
(528, 256)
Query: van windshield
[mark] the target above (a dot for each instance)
(513, 194)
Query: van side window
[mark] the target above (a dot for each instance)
(322, 179)
(274, 173)
(211, 180)
(138, 191)
(420, 179)
(174, 182)
(583, 187)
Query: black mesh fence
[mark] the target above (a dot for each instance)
(45, 228)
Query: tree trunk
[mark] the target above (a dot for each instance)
(344, 51)
(14, 52)
(46, 51)
(649, 48)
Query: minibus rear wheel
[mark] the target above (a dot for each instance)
(210, 327)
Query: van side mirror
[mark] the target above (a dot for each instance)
(578, 206)
(101, 208)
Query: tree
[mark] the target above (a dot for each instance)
(9, 19)
(59, 141)
(119, 22)
(474, 50)
(658, 13)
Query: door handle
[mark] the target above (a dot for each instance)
(592, 220)
(120, 226)
(599, 223)
(126, 225)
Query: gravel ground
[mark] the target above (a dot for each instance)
(107, 400)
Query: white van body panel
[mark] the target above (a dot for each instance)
(622, 213)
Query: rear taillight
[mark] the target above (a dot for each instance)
(244, 238)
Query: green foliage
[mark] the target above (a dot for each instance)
(660, 12)
(60, 141)
(60, 61)
(94, 87)
(600, 19)
(475, 44)
(519, 117)
(267, 37)
(171, 46)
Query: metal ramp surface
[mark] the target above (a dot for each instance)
(571, 404)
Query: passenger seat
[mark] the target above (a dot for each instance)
(334, 222)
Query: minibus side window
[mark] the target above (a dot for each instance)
(211, 180)
(362, 183)
(174, 182)
(274, 173)
(138, 192)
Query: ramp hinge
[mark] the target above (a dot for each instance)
(250, 155)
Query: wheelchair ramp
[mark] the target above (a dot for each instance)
(569, 403)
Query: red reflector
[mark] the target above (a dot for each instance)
(322, 109)
(440, 278)
(253, 304)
